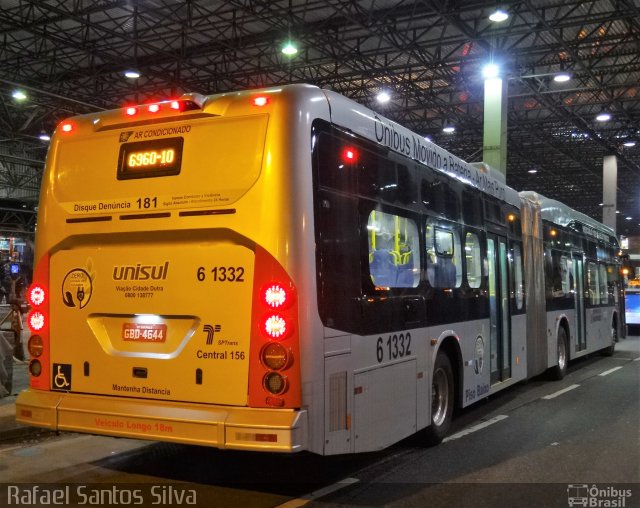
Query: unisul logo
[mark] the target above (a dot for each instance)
(582, 494)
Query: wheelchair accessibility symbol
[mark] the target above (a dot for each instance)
(61, 377)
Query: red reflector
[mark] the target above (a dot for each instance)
(260, 101)
(36, 320)
(26, 413)
(350, 155)
(267, 438)
(275, 401)
(131, 111)
(153, 108)
(66, 127)
(36, 295)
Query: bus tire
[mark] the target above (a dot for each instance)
(608, 351)
(442, 400)
(560, 370)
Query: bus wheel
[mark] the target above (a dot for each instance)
(442, 400)
(560, 370)
(608, 351)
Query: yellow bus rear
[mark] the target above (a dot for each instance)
(163, 304)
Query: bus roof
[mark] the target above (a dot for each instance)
(369, 124)
(563, 215)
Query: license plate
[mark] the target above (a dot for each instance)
(144, 333)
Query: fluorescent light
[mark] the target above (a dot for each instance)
(498, 16)
(449, 129)
(603, 117)
(289, 49)
(45, 137)
(19, 95)
(628, 218)
(532, 171)
(629, 143)
(131, 74)
(383, 97)
(562, 77)
(490, 71)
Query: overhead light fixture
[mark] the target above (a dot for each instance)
(44, 137)
(562, 77)
(289, 49)
(448, 129)
(19, 95)
(131, 74)
(629, 143)
(628, 218)
(499, 16)
(427, 138)
(532, 171)
(490, 71)
(383, 97)
(603, 117)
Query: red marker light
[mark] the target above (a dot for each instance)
(131, 111)
(153, 108)
(350, 155)
(260, 101)
(67, 127)
(175, 105)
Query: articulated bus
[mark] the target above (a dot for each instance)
(284, 270)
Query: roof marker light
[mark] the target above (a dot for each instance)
(153, 108)
(66, 127)
(131, 110)
(175, 105)
(260, 100)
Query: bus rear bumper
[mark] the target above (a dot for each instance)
(272, 430)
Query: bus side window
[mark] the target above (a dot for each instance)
(444, 258)
(473, 260)
(593, 283)
(394, 259)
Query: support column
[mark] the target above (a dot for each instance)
(609, 181)
(494, 149)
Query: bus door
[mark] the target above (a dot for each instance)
(578, 277)
(500, 340)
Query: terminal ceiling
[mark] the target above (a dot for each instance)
(69, 57)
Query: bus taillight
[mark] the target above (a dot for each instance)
(35, 346)
(275, 295)
(275, 356)
(274, 367)
(38, 322)
(36, 295)
(276, 327)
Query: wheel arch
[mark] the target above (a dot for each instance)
(450, 345)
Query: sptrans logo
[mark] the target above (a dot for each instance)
(582, 494)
